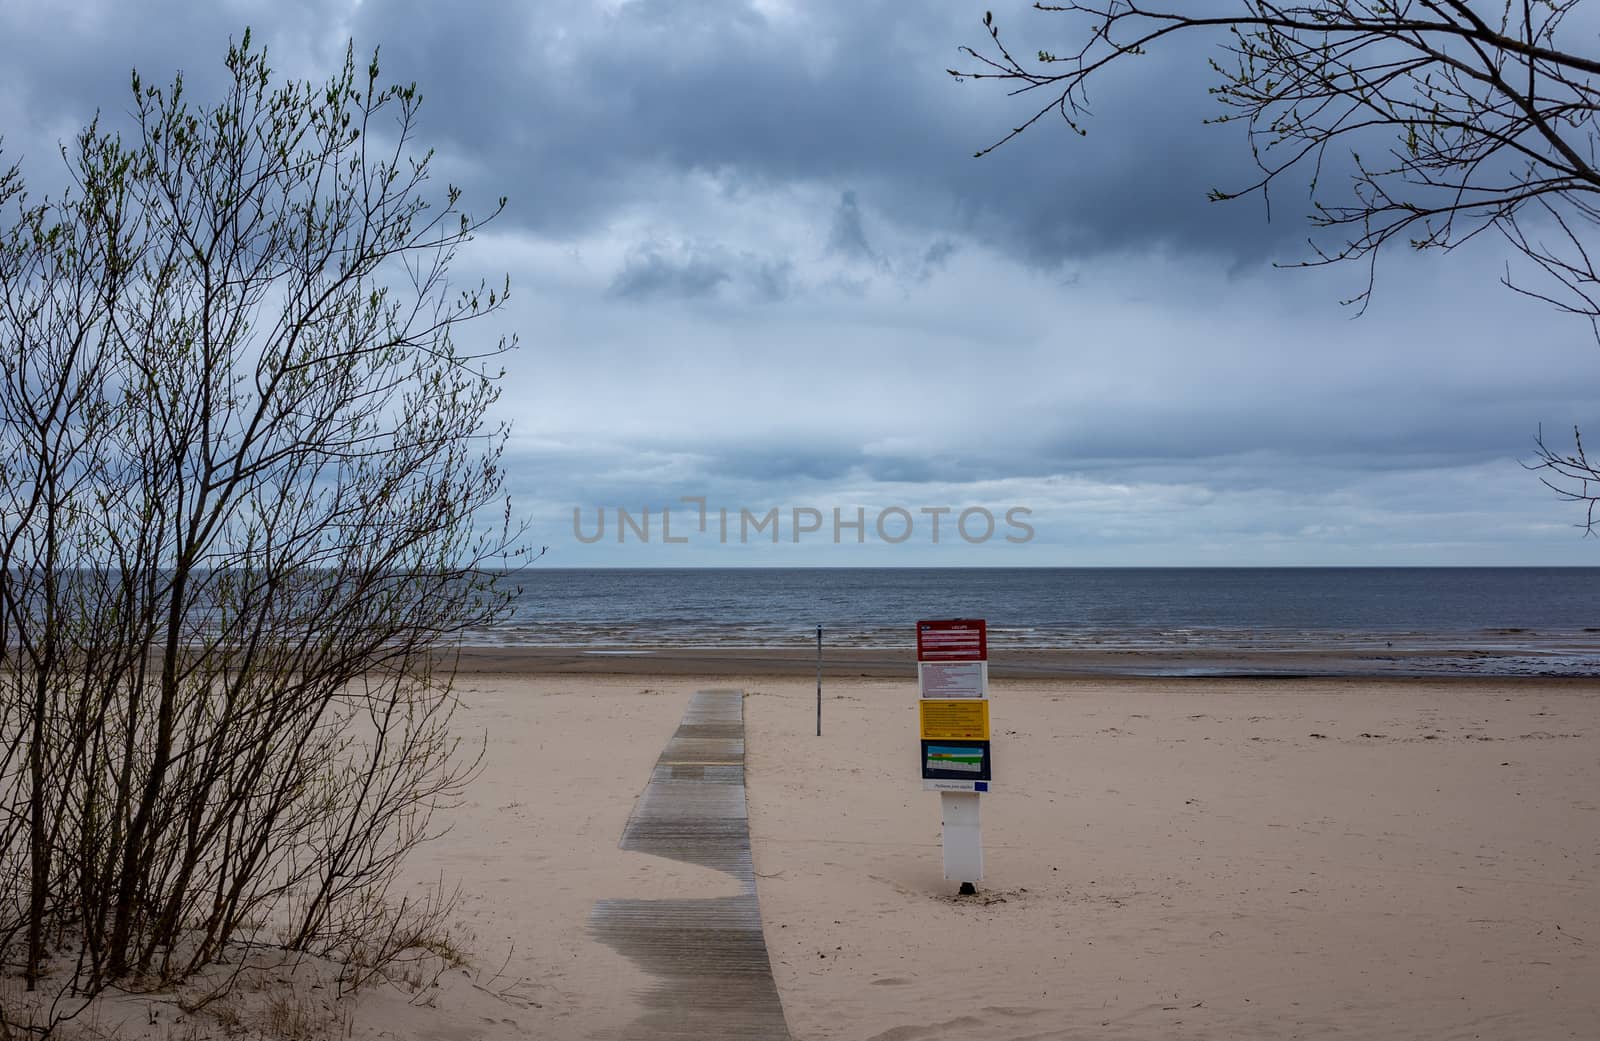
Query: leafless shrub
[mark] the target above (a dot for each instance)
(247, 507)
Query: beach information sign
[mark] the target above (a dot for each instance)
(953, 677)
(953, 658)
(953, 715)
(960, 639)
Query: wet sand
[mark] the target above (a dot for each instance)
(1004, 663)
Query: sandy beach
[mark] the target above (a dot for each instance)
(1179, 858)
(1174, 858)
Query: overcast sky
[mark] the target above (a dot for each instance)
(754, 262)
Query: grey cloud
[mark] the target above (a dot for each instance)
(842, 94)
(62, 70)
(599, 110)
(647, 273)
(847, 237)
(935, 256)
(654, 271)
(772, 279)
(772, 460)
(955, 356)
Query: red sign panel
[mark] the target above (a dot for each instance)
(959, 639)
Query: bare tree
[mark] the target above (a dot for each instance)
(1446, 119)
(248, 506)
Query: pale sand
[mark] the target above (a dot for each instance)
(1165, 859)
(1185, 860)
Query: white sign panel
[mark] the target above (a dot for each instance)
(940, 785)
(953, 679)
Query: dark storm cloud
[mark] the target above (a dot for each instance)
(65, 64)
(578, 112)
(596, 108)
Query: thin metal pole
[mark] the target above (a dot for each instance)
(819, 681)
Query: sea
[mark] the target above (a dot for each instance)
(1504, 620)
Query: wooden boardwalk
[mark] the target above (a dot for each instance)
(709, 955)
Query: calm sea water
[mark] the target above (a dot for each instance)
(1543, 610)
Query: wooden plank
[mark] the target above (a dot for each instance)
(710, 955)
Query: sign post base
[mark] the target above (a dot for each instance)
(963, 836)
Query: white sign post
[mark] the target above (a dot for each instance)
(963, 838)
(953, 681)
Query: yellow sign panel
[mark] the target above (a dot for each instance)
(965, 720)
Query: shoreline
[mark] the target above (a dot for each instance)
(1189, 664)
